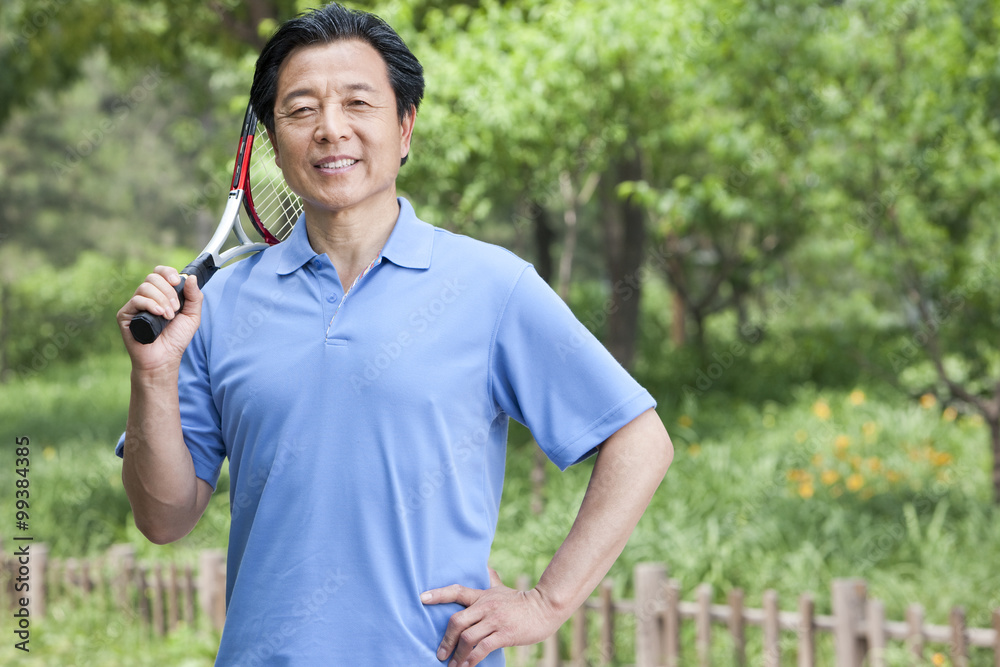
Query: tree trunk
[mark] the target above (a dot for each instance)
(544, 238)
(625, 237)
(994, 424)
(4, 319)
(569, 238)
(678, 322)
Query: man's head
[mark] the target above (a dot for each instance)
(330, 24)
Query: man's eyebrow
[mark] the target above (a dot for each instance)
(300, 92)
(351, 87)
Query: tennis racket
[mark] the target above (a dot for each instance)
(268, 204)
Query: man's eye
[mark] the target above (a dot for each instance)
(358, 103)
(298, 111)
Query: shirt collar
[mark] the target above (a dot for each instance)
(409, 245)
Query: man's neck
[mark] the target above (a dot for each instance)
(351, 238)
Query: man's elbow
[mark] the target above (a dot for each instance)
(664, 448)
(159, 532)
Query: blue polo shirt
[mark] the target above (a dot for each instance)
(366, 437)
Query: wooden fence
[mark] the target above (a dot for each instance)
(165, 595)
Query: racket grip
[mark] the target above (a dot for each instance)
(145, 326)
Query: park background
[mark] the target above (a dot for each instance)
(780, 215)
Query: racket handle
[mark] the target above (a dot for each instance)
(146, 326)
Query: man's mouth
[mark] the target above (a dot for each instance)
(337, 164)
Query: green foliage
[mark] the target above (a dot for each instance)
(63, 315)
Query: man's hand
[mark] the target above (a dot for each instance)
(157, 296)
(493, 618)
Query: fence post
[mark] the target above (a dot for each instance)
(121, 559)
(848, 615)
(607, 622)
(649, 586)
(807, 631)
(996, 637)
(959, 640)
(915, 633)
(212, 587)
(39, 564)
(737, 627)
(578, 644)
(703, 624)
(876, 633)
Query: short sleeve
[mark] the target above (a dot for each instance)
(552, 375)
(200, 420)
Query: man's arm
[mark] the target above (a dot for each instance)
(630, 466)
(157, 471)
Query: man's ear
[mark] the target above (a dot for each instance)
(274, 145)
(406, 132)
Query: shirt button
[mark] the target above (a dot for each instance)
(332, 299)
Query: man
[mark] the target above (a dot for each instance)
(364, 410)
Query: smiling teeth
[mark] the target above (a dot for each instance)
(339, 164)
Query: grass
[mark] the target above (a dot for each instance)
(780, 495)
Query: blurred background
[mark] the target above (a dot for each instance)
(780, 215)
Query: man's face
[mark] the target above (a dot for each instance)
(337, 136)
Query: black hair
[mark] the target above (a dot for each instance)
(326, 25)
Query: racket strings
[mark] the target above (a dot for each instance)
(277, 207)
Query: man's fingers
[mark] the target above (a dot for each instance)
(454, 593)
(483, 648)
(462, 634)
(494, 578)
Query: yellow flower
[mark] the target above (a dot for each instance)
(842, 442)
(685, 421)
(949, 414)
(856, 462)
(928, 401)
(801, 436)
(873, 464)
(49, 453)
(821, 410)
(799, 475)
(694, 450)
(829, 477)
(940, 458)
(857, 397)
(869, 429)
(893, 476)
(855, 482)
(806, 490)
(937, 659)
(817, 460)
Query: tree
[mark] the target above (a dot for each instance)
(918, 90)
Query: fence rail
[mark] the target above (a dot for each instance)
(162, 596)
